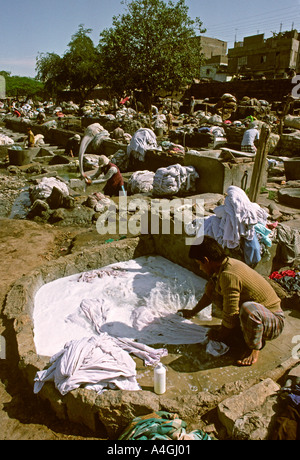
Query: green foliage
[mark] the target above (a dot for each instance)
(50, 70)
(78, 69)
(17, 86)
(151, 48)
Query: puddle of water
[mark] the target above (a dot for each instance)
(21, 205)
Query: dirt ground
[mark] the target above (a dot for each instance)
(25, 245)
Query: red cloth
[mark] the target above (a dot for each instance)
(279, 275)
(123, 101)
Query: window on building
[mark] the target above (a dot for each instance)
(263, 59)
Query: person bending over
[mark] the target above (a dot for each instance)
(110, 174)
(247, 299)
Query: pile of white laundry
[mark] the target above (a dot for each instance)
(141, 182)
(97, 363)
(144, 139)
(235, 219)
(44, 188)
(174, 179)
(5, 140)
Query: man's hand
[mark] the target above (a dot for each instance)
(186, 313)
(87, 179)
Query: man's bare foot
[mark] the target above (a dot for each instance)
(249, 359)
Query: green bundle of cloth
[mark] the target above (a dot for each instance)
(161, 425)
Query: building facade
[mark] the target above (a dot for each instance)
(274, 57)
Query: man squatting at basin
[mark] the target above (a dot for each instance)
(249, 303)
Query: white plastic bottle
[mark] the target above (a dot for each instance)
(160, 379)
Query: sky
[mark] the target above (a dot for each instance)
(30, 27)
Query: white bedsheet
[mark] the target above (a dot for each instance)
(96, 363)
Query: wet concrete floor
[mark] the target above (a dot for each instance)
(191, 370)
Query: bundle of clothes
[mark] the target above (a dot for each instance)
(144, 139)
(239, 223)
(174, 179)
(44, 188)
(161, 425)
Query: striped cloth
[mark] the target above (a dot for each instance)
(259, 324)
(161, 425)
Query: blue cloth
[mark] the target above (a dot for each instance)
(252, 251)
(264, 233)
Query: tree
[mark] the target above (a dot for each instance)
(78, 69)
(151, 48)
(17, 86)
(82, 63)
(50, 70)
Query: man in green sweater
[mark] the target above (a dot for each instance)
(247, 300)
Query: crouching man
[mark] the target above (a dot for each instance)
(248, 301)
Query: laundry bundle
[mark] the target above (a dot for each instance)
(144, 139)
(44, 188)
(5, 140)
(174, 179)
(161, 425)
(141, 182)
(96, 363)
(235, 219)
(99, 202)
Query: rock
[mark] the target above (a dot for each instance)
(59, 160)
(256, 425)
(57, 216)
(290, 197)
(58, 199)
(274, 211)
(289, 142)
(77, 184)
(294, 374)
(235, 408)
(118, 408)
(39, 209)
(273, 142)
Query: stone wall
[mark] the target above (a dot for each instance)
(269, 90)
